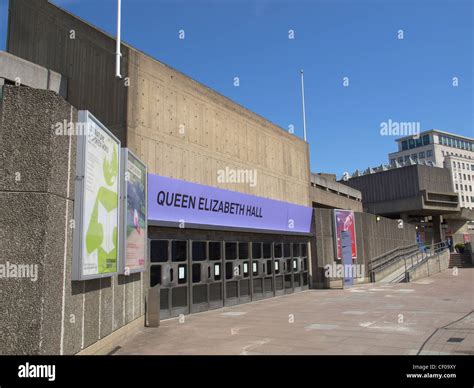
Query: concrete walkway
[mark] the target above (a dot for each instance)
(429, 316)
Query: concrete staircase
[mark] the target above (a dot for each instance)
(460, 260)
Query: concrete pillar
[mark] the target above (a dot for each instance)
(437, 232)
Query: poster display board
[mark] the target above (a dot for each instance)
(96, 202)
(344, 220)
(134, 214)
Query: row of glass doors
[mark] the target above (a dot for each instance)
(196, 276)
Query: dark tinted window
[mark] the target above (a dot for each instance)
(426, 139)
(178, 250)
(243, 251)
(229, 271)
(269, 267)
(296, 250)
(278, 250)
(286, 250)
(257, 250)
(155, 275)
(196, 273)
(404, 145)
(267, 250)
(199, 250)
(159, 251)
(304, 249)
(230, 250)
(214, 250)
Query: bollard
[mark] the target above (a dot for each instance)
(153, 307)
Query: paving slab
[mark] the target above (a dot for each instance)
(430, 316)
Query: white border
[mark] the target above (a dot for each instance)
(123, 213)
(85, 116)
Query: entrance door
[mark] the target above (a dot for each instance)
(200, 276)
(237, 283)
(245, 289)
(287, 268)
(268, 271)
(278, 269)
(296, 267)
(257, 272)
(169, 268)
(215, 274)
(305, 265)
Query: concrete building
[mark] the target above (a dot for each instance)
(415, 193)
(189, 136)
(327, 193)
(442, 149)
(462, 175)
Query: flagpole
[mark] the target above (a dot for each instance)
(118, 54)
(302, 99)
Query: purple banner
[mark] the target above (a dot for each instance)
(177, 201)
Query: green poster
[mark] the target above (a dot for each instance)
(100, 202)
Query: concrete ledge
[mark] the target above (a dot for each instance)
(433, 265)
(15, 69)
(109, 343)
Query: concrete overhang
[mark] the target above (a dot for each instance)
(463, 215)
(425, 204)
(22, 72)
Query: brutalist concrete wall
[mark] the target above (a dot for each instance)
(322, 198)
(373, 237)
(185, 130)
(43, 33)
(177, 126)
(50, 314)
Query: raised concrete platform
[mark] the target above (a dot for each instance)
(22, 72)
(429, 316)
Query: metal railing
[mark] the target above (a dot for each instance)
(412, 256)
(430, 251)
(389, 258)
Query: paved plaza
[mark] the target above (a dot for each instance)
(430, 316)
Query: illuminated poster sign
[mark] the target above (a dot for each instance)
(134, 214)
(175, 202)
(344, 220)
(96, 201)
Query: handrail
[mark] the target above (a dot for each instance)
(416, 255)
(388, 258)
(434, 250)
(394, 250)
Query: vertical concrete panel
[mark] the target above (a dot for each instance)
(118, 301)
(91, 312)
(106, 307)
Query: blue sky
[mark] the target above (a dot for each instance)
(405, 80)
